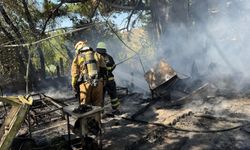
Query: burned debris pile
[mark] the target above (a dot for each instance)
(190, 113)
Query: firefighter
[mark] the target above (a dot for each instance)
(110, 85)
(87, 71)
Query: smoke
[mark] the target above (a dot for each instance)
(216, 41)
(214, 37)
(129, 73)
(131, 76)
(62, 93)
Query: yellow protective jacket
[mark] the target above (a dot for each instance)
(78, 66)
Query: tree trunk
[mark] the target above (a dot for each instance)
(61, 66)
(36, 34)
(179, 12)
(69, 53)
(42, 62)
(160, 16)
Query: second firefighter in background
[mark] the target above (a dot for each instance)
(87, 71)
(110, 85)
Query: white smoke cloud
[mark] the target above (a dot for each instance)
(222, 39)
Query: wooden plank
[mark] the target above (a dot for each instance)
(14, 126)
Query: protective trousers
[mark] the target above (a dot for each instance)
(91, 95)
(110, 87)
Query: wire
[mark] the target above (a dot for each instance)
(54, 46)
(8, 42)
(45, 39)
(143, 68)
(136, 53)
(112, 29)
(184, 130)
(125, 60)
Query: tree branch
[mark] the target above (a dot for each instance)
(6, 33)
(125, 7)
(45, 39)
(12, 41)
(50, 16)
(29, 18)
(17, 32)
(9, 22)
(57, 49)
(130, 16)
(56, 9)
(73, 1)
(96, 4)
(68, 52)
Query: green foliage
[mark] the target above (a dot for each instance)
(9, 66)
(54, 48)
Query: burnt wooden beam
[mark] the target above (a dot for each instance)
(14, 120)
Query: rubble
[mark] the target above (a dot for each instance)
(160, 78)
(82, 109)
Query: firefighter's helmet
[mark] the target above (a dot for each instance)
(81, 46)
(101, 47)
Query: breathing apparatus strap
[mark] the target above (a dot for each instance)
(90, 62)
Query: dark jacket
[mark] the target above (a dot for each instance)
(110, 63)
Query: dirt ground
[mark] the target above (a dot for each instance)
(205, 120)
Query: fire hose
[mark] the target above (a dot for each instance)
(125, 60)
(184, 130)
